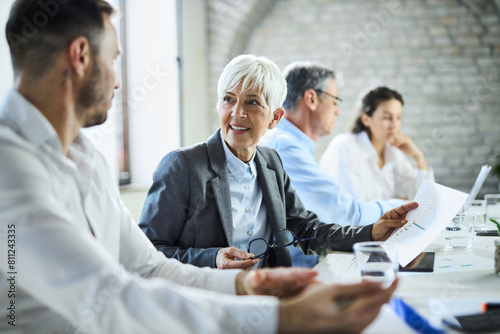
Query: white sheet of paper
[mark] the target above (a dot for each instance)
(437, 205)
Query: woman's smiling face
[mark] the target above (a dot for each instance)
(244, 117)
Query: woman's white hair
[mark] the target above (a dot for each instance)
(257, 73)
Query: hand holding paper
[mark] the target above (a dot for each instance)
(390, 221)
(437, 205)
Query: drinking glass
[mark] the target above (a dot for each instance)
(376, 262)
(459, 233)
(478, 207)
(492, 206)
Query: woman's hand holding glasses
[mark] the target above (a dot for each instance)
(233, 258)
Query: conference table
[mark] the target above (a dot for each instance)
(461, 281)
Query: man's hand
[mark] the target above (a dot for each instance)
(279, 282)
(233, 258)
(333, 308)
(390, 220)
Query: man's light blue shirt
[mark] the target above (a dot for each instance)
(319, 192)
(248, 207)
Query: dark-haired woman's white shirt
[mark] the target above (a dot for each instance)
(352, 160)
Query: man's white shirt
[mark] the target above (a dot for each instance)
(80, 258)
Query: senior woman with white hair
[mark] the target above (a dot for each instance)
(212, 201)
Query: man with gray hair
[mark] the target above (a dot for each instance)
(311, 109)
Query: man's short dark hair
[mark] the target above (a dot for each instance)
(301, 76)
(38, 30)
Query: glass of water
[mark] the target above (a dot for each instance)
(460, 231)
(492, 205)
(478, 208)
(376, 261)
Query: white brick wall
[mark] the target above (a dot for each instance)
(442, 55)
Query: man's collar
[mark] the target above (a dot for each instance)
(286, 125)
(28, 121)
(24, 118)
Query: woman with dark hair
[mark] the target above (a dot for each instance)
(376, 160)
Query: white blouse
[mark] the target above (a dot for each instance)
(352, 160)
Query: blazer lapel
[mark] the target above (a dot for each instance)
(220, 184)
(271, 193)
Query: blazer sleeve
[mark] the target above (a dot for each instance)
(166, 210)
(302, 222)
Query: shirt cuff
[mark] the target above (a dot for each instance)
(262, 315)
(263, 311)
(390, 204)
(223, 280)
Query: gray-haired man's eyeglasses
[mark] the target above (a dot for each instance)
(281, 238)
(338, 100)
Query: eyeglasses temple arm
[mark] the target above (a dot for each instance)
(315, 231)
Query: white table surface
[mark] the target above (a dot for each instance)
(460, 279)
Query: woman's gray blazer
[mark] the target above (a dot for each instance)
(187, 213)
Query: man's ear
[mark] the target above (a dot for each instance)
(276, 117)
(79, 55)
(310, 98)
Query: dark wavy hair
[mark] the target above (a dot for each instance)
(370, 103)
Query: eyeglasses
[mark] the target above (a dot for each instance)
(338, 100)
(281, 238)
